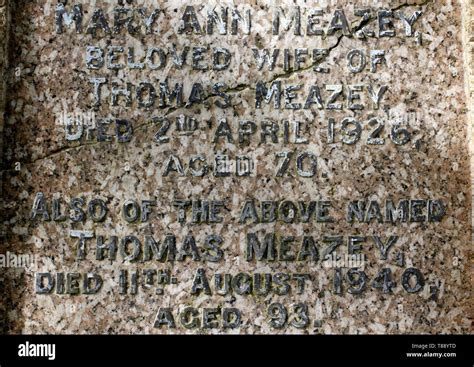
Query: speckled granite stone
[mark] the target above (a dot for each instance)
(426, 86)
(4, 33)
(468, 42)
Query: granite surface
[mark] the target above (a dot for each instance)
(426, 79)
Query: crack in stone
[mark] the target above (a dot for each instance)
(230, 90)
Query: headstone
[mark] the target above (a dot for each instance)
(236, 167)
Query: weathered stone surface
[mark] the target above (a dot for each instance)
(4, 33)
(426, 94)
